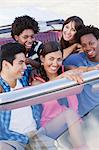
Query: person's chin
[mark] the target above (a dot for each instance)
(67, 39)
(91, 56)
(53, 71)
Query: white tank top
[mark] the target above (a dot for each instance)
(22, 119)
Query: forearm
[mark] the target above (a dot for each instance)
(70, 67)
(33, 63)
(86, 68)
(69, 50)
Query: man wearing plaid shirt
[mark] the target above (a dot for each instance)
(14, 132)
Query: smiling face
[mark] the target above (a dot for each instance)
(69, 31)
(52, 62)
(26, 38)
(90, 45)
(16, 70)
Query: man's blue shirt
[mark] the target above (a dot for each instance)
(87, 99)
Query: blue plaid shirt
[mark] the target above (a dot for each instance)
(5, 133)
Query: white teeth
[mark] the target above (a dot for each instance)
(90, 52)
(53, 68)
(28, 45)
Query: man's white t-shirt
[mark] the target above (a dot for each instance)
(22, 118)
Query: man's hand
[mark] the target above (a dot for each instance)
(32, 62)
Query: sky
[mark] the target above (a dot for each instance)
(88, 10)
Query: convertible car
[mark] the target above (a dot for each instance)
(54, 89)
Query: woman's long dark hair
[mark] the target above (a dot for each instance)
(78, 25)
(49, 47)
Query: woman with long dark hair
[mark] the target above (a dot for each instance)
(68, 41)
(55, 115)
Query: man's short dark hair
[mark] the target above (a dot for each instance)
(8, 52)
(23, 22)
(87, 30)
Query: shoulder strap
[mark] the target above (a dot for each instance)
(63, 69)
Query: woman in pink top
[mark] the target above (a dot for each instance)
(55, 115)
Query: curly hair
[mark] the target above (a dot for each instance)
(23, 22)
(78, 25)
(87, 30)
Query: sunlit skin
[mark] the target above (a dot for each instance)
(90, 46)
(15, 70)
(12, 72)
(52, 62)
(26, 38)
(69, 31)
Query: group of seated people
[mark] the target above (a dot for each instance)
(27, 62)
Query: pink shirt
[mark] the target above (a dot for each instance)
(73, 102)
(50, 110)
